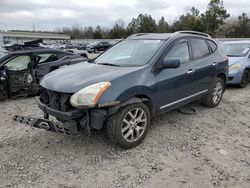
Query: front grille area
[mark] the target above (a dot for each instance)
(57, 100)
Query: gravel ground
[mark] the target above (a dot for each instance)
(208, 149)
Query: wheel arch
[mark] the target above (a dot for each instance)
(223, 76)
(135, 99)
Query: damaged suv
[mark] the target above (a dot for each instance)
(137, 79)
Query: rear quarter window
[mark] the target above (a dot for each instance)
(212, 45)
(199, 48)
(47, 57)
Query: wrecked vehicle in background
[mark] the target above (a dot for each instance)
(21, 71)
(3, 52)
(137, 79)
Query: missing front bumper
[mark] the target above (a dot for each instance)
(66, 128)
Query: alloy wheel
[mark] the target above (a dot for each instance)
(217, 92)
(134, 124)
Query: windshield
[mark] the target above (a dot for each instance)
(236, 50)
(130, 53)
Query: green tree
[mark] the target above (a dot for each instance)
(118, 31)
(214, 16)
(142, 24)
(162, 26)
(244, 26)
(98, 32)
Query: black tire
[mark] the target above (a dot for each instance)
(210, 100)
(244, 79)
(115, 123)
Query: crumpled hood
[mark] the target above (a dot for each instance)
(72, 78)
(233, 60)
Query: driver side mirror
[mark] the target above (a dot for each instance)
(170, 63)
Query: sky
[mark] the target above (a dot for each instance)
(51, 14)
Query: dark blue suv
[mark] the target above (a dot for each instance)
(123, 88)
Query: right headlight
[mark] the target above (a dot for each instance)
(235, 67)
(90, 95)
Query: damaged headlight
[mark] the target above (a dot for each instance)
(90, 95)
(235, 67)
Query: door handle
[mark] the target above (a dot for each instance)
(215, 63)
(190, 71)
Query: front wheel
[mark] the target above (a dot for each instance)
(215, 93)
(244, 79)
(129, 126)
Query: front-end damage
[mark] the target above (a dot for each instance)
(70, 120)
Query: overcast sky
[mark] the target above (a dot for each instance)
(51, 14)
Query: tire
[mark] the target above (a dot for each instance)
(215, 93)
(129, 126)
(244, 79)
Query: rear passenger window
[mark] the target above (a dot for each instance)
(45, 58)
(179, 51)
(212, 45)
(199, 48)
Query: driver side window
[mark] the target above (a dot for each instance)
(18, 63)
(179, 51)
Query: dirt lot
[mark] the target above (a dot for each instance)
(208, 149)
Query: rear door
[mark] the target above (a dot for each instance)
(175, 85)
(204, 62)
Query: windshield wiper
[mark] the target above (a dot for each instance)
(109, 64)
(234, 55)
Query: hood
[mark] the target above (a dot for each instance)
(233, 60)
(72, 78)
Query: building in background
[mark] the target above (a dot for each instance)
(24, 36)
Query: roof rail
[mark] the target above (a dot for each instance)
(138, 34)
(192, 32)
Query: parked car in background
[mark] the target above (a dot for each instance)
(3, 52)
(21, 71)
(82, 46)
(239, 62)
(141, 77)
(69, 46)
(98, 46)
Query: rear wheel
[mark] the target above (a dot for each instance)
(129, 126)
(244, 79)
(215, 93)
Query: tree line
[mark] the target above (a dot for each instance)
(215, 21)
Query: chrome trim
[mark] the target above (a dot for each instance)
(183, 99)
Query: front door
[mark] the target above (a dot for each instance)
(175, 84)
(20, 77)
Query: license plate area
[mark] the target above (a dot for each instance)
(42, 124)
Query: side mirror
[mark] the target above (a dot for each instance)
(170, 63)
